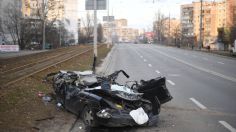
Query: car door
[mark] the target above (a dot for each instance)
(73, 99)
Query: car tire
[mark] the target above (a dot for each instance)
(87, 116)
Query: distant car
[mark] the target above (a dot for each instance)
(100, 100)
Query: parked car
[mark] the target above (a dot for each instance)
(101, 101)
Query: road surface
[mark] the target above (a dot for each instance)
(203, 86)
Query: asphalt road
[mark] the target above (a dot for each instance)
(203, 86)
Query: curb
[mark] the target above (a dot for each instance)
(103, 68)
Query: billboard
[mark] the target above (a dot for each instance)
(9, 48)
(101, 4)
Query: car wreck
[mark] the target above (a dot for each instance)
(101, 101)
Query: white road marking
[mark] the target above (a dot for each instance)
(150, 65)
(170, 82)
(158, 72)
(173, 75)
(228, 126)
(144, 60)
(220, 62)
(204, 58)
(198, 103)
(200, 68)
(141, 56)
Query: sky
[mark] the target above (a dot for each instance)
(139, 13)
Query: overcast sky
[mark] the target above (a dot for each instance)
(139, 13)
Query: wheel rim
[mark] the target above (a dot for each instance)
(88, 118)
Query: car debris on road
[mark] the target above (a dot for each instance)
(101, 101)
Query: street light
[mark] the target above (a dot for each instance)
(94, 7)
(95, 36)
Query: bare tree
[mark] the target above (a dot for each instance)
(88, 26)
(177, 35)
(48, 12)
(15, 25)
(159, 26)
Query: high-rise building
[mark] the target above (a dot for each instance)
(119, 31)
(187, 20)
(231, 12)
(54, 9)
(121, 22)
(215, 15)
(64, 11)
(71, 18)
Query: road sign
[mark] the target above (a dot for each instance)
(108, 18)
(101, 5)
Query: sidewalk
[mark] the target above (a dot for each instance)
(216, 52)
(219, 52)
(5, 55)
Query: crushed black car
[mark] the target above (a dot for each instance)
(101, 101)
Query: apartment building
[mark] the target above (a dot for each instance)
(65, 11)
(71, 18)
(119, 31)
(121, 22)
(187, 19)
(215, 15)
(34, 9)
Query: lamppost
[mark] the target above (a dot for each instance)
(95, 36)
(44, 23)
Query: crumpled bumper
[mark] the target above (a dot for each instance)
(122, 120)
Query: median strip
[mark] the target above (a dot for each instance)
(228, 126)
(198, 103)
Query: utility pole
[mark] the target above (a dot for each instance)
(159, 26)
(95, 36)
(169, 29)
(44, 23)
(108, 22)
(78, 30)
(200, 37)
(60, 33)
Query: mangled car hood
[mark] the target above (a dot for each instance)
(119, 91)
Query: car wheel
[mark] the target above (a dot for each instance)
(88, 117)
